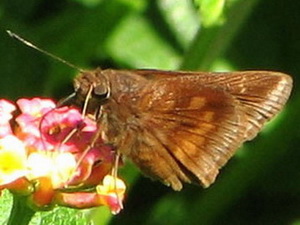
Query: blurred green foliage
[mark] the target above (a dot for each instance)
(261, 184)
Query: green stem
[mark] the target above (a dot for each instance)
(211, 42)
(20, 213)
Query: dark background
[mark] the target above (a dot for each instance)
(261, 184)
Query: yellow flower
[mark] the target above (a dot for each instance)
(111, 193)
(12, 159)
(59, 167)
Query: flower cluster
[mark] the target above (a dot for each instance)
(45, 155)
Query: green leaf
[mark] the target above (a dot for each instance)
(89, 3)
(5, 206)
(211, 12)
(182, 19)
(136, 43)
(60, 216)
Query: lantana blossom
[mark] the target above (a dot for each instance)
(6, 109)
(46, 155)
(12, 159)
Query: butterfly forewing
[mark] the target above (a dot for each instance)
(183, 126)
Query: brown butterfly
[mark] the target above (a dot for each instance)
(178, 127)
(181, 127)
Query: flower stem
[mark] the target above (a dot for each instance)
(20, 213)
(211, 42)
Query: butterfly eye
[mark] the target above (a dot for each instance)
(101, 91)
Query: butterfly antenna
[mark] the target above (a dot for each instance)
(29, 44)
(66, 100)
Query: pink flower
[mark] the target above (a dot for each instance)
(109, 193)
(35, 107)
(49, 148)
(6, 109)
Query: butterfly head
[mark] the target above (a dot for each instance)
(93, 83)
(91, 90)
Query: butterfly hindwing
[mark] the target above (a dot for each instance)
(181, 132)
